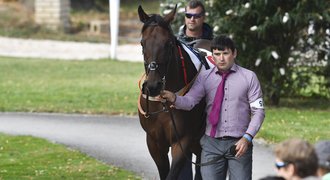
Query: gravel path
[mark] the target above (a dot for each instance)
(51, 49)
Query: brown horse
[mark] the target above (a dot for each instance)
(167, 66)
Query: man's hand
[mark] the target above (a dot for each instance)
(168, 95)
(241, 146)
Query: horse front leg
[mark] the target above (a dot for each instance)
(160, 157)
(179, 151)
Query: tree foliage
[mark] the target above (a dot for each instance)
(286, 42)
(273, 37)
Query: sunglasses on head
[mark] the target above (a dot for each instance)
(280, 165)
(196, 16)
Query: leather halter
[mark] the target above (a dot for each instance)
(181, 92)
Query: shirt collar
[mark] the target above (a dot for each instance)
(232, 69)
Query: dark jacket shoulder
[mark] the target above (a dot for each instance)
(207, 34)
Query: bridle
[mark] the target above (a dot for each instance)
(153, 66)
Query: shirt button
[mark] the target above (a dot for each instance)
(225, 120)
(226, 89)
(225, 99)
(225, 109)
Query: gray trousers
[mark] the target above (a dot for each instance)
(238, 168)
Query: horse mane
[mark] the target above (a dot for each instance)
(156, 19)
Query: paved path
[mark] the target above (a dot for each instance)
(113, 139)
(51, 49)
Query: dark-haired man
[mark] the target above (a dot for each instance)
(195, 28)
(235, 112)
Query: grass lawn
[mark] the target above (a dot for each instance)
(282, 123)
(25, 157)
(90, 87)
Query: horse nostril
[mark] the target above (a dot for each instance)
(154, 88)
(159, 84)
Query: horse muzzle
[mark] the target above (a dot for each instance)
(152, 88)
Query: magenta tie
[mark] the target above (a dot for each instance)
(217, 102)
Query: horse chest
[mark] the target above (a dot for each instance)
(155, 126)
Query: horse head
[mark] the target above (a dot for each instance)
(157, 44)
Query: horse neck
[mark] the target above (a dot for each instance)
(175, 79)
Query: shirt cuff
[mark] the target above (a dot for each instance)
(248, 137)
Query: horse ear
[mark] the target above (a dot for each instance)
(170, 16)
(143, 16)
